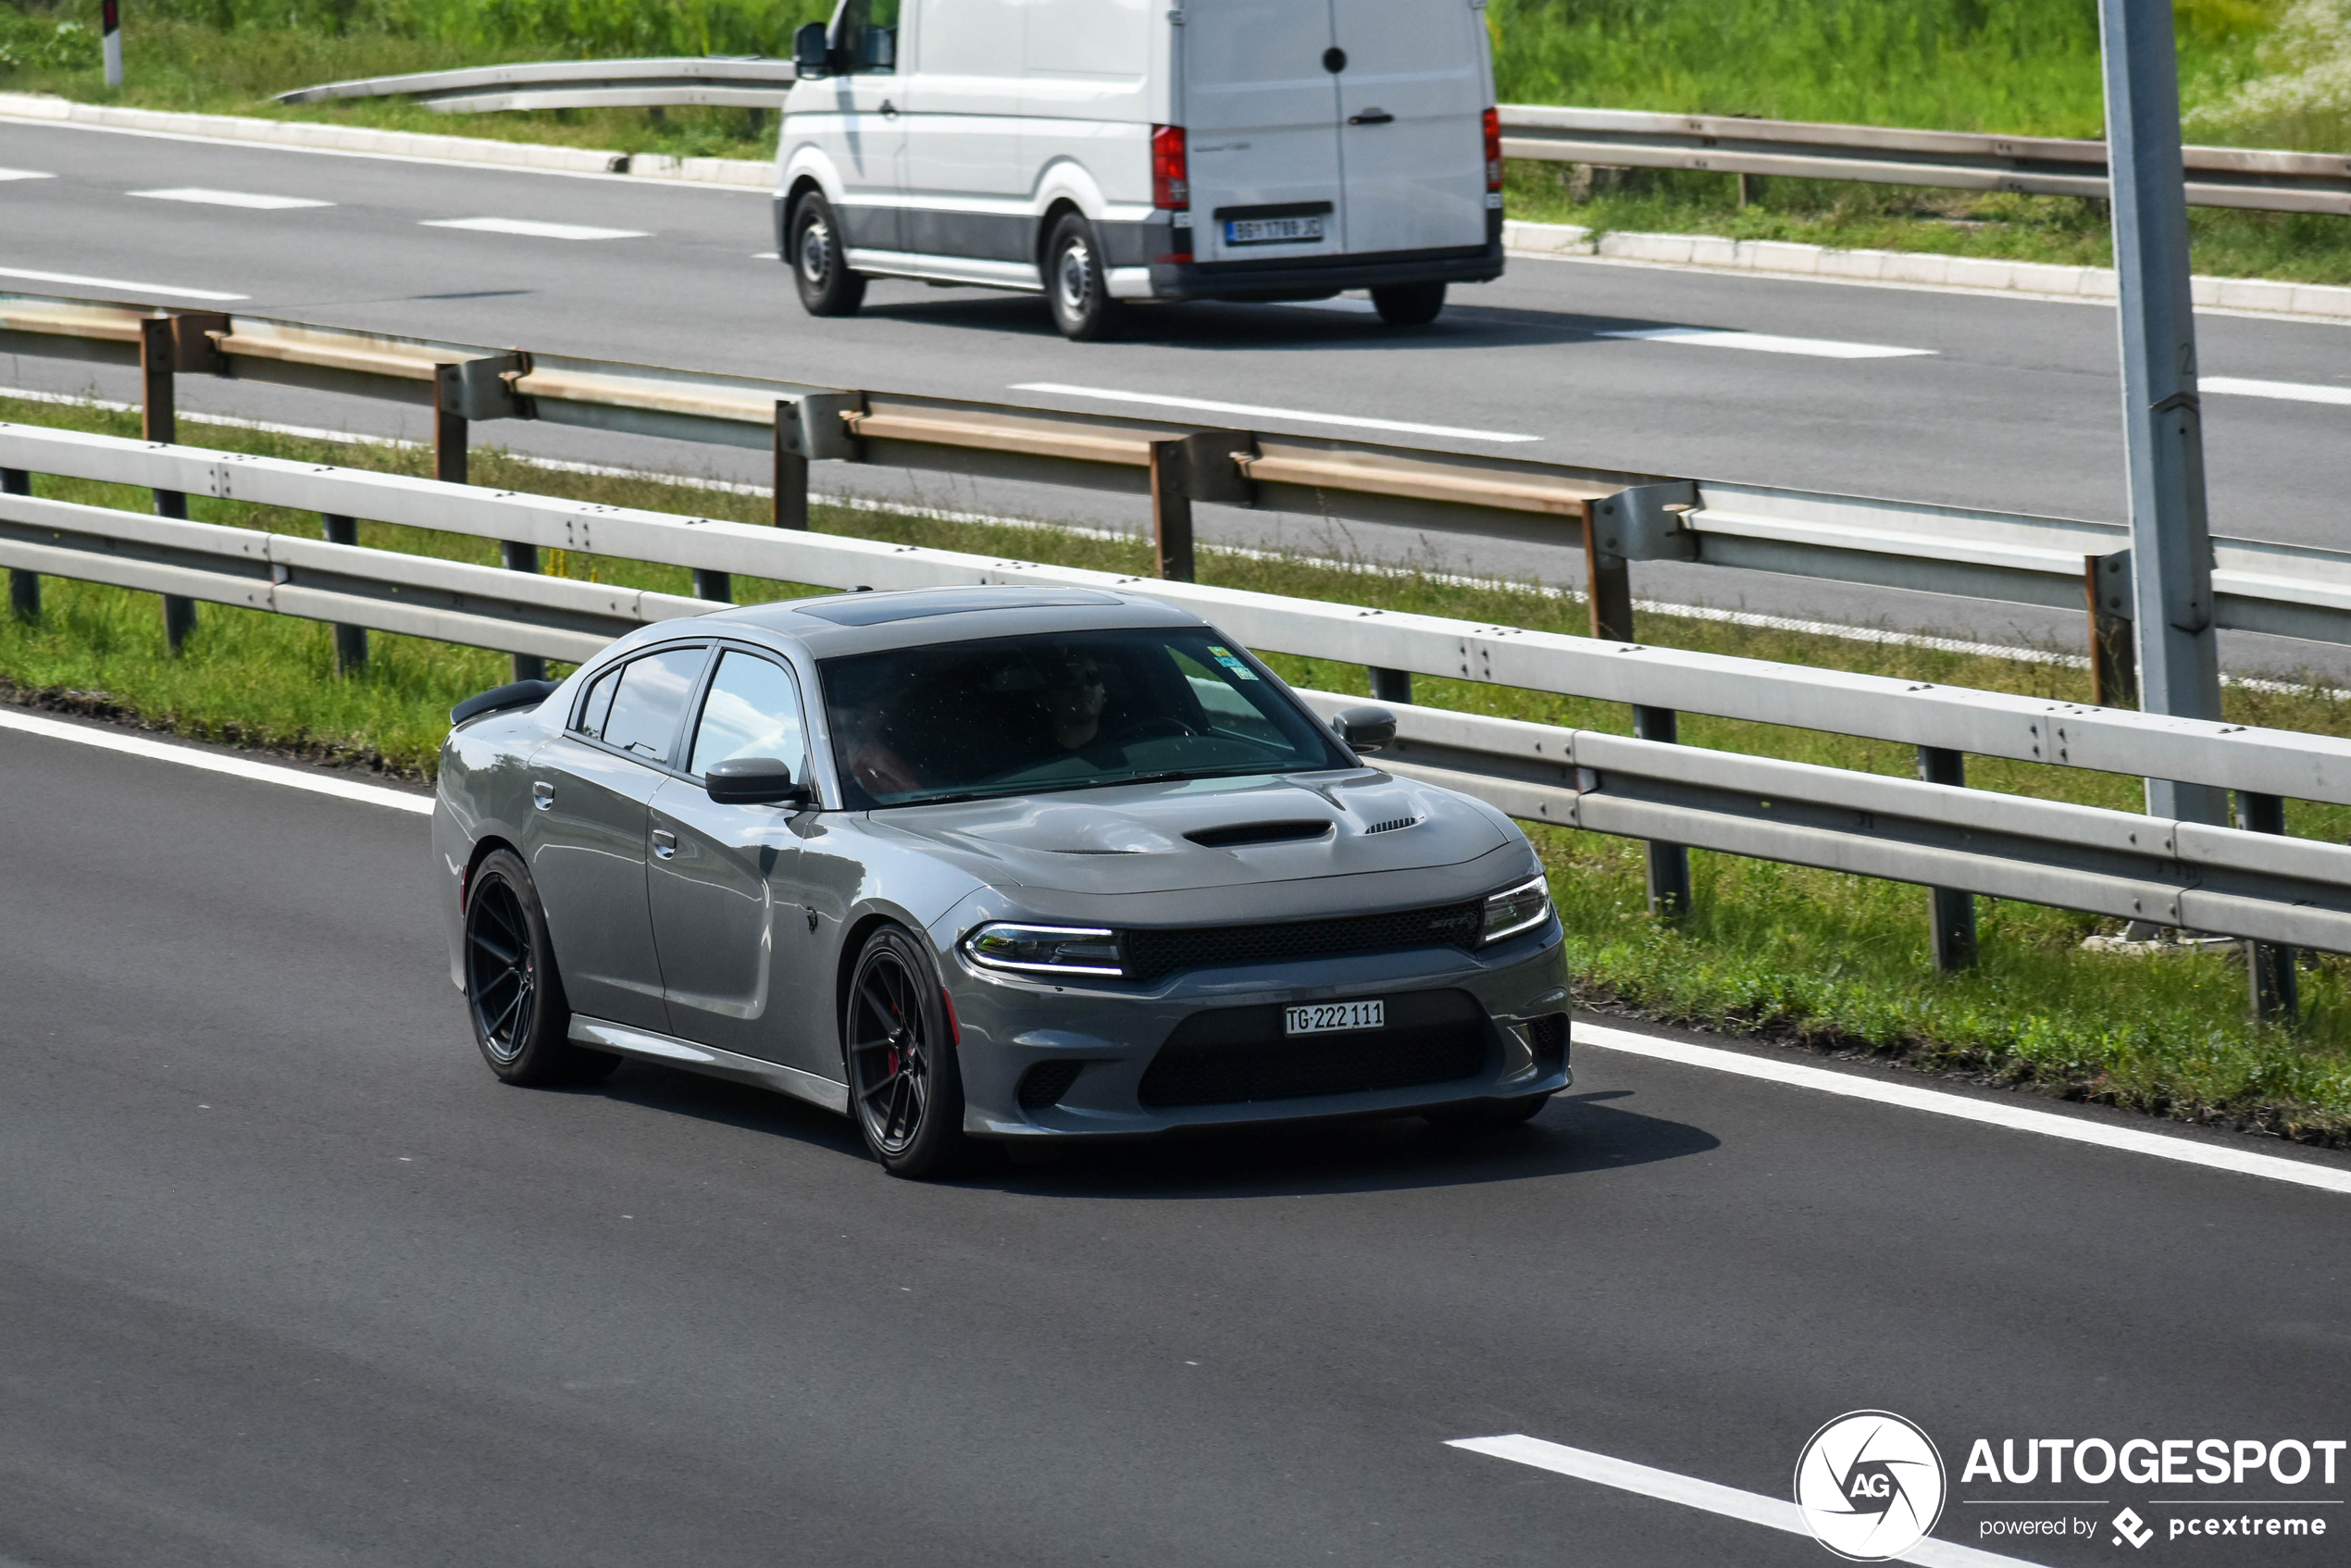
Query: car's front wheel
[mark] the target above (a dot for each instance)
(904, 1083)
(819, 262)
(512, 992)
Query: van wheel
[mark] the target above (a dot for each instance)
(1409, 304)
(1078, 285)
(826, 286)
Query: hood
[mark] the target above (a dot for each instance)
(1206, 833)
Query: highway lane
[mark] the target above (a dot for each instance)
(288, 1277)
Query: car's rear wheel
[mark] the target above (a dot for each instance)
(1409, 304)
(819, 261)
(905, 1086)
(1078, 282)
(512, 992)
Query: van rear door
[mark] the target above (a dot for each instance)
(1260, 114)
(1412, 141)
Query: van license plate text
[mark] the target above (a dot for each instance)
(1272, 231)
(1334, 1017)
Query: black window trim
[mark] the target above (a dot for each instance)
(691, 706)
(719, 649)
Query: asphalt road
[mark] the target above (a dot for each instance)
(2013, 405)
(286, 1278)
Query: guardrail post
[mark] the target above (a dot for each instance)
(1170, 511)
(451, 432)
(24, 588)
(160, 423)
(2276, 993)
(1391, 685)
(1950, 913)
(1608, 586)
(1608, 581)
(351, 642)
(792, 469)
(1669, 864)
(2114, 660)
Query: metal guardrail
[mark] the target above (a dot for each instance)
(2267, 888)
(737, 81)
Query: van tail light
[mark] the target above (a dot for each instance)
(1492, 149)
(1171, 178)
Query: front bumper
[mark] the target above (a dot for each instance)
(1112, 1031)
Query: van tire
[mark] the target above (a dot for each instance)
(826, 286)
(1078, 282)
(1409, 304)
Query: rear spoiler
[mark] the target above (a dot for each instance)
(521, 694)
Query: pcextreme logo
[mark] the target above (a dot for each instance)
(1870, 1485)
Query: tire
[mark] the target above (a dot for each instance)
(826, 286)
(905, 1086)
(514, 994)
(1409, 304)
(1488, 1113)
(1078, 283)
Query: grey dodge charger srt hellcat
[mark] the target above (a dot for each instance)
(993, 862)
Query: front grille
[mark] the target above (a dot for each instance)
(1156, 951)
(1045, 1083)
(1238, 1055)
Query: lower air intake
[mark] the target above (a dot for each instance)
(1045, 1084)
(1240, 1057)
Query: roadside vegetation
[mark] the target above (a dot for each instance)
(1838, 962)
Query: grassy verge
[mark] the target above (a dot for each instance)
(1835, 962)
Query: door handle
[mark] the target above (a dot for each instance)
(665, 843)
(1371, 116)
(890, 109)
(542, 794)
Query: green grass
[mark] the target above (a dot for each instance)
(1835, 962)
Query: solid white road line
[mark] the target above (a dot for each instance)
(1691, 1492)
(1998, 1114)
(1304, 416)
(207, 197)
(125, 284)
(1766, 343)
(533, 229)
(2294, 392)
(212, 761)
(24, 174)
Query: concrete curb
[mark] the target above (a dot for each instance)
(1906, 266)
(741, 172)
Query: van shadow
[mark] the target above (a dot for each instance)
(1574, 1135)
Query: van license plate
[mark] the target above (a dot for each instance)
(1334, 1017)
(1273, 230)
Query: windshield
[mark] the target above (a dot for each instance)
(1021, 714)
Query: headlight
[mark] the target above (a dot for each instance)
(1047, 950)
(1518, 909)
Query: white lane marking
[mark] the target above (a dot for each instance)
(2295, 392)
(210, 762)
(2219, 1157)
(534, 228)
(1691, 1492)
(1304, 416)
(125, 284)
(766, 255)
(208, 197)
(1765, 342)
(25, 174)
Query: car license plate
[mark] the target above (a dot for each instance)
(1273, 230)
(1334, 1017)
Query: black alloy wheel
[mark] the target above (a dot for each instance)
(1409, 304)
(512, 992)
(1078, 283)
(904, 1083)
(819, 261)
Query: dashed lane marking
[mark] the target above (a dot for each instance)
(25, 174)
(1764, 343)
(205, 197)
(2292, 391)
(117, 285)
(533, 229)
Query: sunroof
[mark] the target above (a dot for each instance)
(872, 609)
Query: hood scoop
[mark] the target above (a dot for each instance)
(1394, 823)
(1237, 833)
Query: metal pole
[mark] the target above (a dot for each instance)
(451, 434)
(791, 469)
(2162, 424)
(2276, 992)
(110, 39)
(1392, 685)
(1608, 585)
(351, 642)
(1669, 864)
(24, 588)
(1171, 512)
(1950, 913)
(160, 422)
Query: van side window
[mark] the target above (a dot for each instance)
(868, 40)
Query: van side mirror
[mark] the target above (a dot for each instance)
(812, 50)
(752, 781)
(1365, 729)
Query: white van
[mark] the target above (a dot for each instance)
(1107, 151)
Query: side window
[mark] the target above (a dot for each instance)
(867, 37)
(598, 708)
(652, 695)
(753, 711)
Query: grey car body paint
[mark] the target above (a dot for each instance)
(764, 905)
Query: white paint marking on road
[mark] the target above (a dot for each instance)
(206, 197)
(765, 256)
(2019, 1118)
(533, 229)
(1765, 342)
(212, 761)
(2292, 391)
(25, 174)
(1304, 416)
(123, 284)
(1691, 1492)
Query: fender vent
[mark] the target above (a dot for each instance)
(1392, 824)
(1259, 833)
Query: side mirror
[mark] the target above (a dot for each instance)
(752, 781)
(812, 50)
(1365, 729)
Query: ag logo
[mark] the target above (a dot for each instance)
(1870, 1485)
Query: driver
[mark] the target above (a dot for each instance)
(1074, 698)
